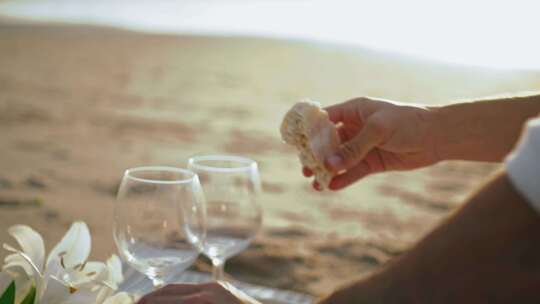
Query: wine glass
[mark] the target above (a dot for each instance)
(231, 186)
(159, 219)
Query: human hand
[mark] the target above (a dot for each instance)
(209, 293)
(378, 135)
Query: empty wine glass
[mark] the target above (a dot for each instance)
(159, 220)
(231, 186)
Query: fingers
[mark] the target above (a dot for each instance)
(353, 151)
(373, 163)
(307, 172)
(345, 134)
(352, 175)
(350, 109)
(337, 112)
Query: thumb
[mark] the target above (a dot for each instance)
(355, 150)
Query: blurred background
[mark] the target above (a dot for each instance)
(90, 88)
(486, 33)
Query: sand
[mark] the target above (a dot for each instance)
(78, 105)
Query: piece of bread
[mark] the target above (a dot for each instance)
(307, 127)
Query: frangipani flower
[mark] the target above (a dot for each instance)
(65, 276)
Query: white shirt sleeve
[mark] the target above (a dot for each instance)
(523, 165)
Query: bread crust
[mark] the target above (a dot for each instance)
(307, 127)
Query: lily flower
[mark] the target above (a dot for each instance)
(120, 298)
(65, 276)
(112, 278)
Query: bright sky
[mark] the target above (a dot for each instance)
(503, 34)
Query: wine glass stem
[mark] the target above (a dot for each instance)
(217, 271)
(157, 282)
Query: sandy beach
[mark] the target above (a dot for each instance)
(78, 105)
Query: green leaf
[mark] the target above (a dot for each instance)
(8, 297)
(30, 296)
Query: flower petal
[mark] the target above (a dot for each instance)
(103, 294)
(86, 277)
(15, 260)
(114, 265)
(22, 289)
(22, 281)
(80, 297)
(120, 298)
(36, 273)
(55, 292)
(5, 280)
(31, 243)
(53, 269)
(74, 248)
(24, 271)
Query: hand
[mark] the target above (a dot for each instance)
(378, 135)
(210, 293)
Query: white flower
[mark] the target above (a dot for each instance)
(5, 280)
(113, 277)
(66, 276)
(120, 298)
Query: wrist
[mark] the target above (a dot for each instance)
(436, 132)
(450, 132)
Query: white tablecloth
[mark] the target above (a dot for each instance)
(135, 282)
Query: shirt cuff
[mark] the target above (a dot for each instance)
(523, 165)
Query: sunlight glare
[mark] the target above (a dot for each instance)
(501, 34)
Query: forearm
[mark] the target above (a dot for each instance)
(483, 130)
(488, 252)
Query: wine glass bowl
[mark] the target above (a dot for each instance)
(231, 186)
(159, 220)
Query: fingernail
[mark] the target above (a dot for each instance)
(335, 161)
(332, 186)
(317, 186)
